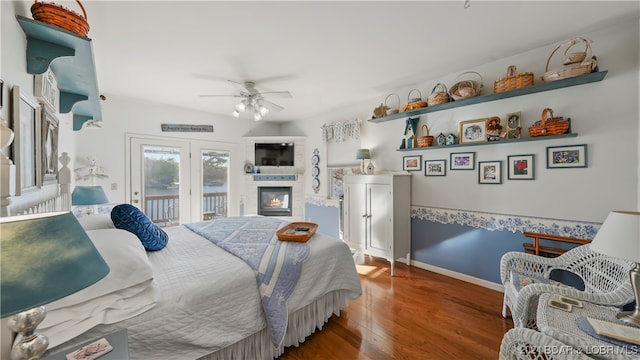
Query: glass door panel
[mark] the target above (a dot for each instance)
(215, 180)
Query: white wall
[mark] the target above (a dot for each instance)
(604, 114)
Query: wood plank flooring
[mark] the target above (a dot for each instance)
(417, 314)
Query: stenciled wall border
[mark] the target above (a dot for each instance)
(505, 222)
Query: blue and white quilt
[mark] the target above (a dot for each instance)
(277, 264)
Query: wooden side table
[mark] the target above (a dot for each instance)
(562, 326)
(119, 340)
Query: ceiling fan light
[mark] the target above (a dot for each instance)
(241, 106)
(257, 116)
(263, 110)
(235, 113)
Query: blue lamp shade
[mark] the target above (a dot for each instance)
(45, 257)
(363, 154)
(88, 195)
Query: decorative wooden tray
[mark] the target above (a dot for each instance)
(297, 231)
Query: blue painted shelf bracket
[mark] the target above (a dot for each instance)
(70, 58)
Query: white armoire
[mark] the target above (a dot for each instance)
(377, 215)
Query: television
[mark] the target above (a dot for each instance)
(274, 154)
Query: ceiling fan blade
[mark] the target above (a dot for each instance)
(210, 95)
(280, 94)
(270, 105)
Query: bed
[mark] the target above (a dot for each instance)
(194, 299)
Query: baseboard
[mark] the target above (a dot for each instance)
(459, 276)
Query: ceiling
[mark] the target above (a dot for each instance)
(327, 54)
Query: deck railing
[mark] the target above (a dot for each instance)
(164, 210)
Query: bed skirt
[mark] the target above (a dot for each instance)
(301, 324)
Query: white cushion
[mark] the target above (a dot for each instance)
(95, 222)
(128, 289)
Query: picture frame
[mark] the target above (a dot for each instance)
(490, 172)
(521, 167)
(435, 167)
(513, 126)
(26, 147)
(462, 161)
(1, 93)
(473, 131)
(49, 145)
(412, 163)
(567, 156)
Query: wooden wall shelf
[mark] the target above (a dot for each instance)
(70, 57)
(540, 87)
(499, 142)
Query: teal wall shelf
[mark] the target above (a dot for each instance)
(543, 86)
(70, 57)
(499, 142)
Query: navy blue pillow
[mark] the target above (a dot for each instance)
(130, 218)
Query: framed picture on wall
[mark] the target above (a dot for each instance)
(521, 167)
(26, 148)
(473, 131)
(462, 161)
(490, 172)
(49, 145)
(412, 163)
(571, 156)
(435, 167)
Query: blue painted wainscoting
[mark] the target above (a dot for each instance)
(472, 243)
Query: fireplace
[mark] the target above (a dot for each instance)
(274, 200)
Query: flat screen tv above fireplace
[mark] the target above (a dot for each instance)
(274, 154)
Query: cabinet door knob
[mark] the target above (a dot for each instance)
(365, 215)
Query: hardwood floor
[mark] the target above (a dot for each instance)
(417, 314)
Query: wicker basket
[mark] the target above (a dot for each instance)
(425, 140)
(464, 89)
(513, 80)
(438, 97)
(414, 103)
(392, 109)
(59, 16)
(549, 125)
(572, 67)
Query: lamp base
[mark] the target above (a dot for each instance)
(630, 317)
(29, 345)
(633, 317)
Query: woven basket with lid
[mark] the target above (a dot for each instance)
(440, 96)
(60, 16)
(549, 125)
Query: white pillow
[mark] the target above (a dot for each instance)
(95, 222)
(128, 264)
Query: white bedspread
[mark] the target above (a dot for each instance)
(208, 298)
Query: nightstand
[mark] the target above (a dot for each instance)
(119, 340)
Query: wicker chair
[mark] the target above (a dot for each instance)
(606, 281)
(521, 344)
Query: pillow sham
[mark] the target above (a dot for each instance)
(130, 218)
(128, 266)
(95, 222)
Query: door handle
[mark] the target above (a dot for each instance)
(136, 201)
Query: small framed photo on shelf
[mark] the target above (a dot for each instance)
(462, 161)
(435, 167)
(521, 167)
(571, 156)
(473, 131)
(490, 172)
(412, 163)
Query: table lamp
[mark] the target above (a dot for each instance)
(88, 196)
(619, 237)
(44, 257)
(363, 154)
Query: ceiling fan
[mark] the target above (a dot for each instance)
(253, 100)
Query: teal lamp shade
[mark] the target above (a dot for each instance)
(363, 154)
(88, 195)
(44, 257)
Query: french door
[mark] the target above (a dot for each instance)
(160, 179)
(178, 181)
